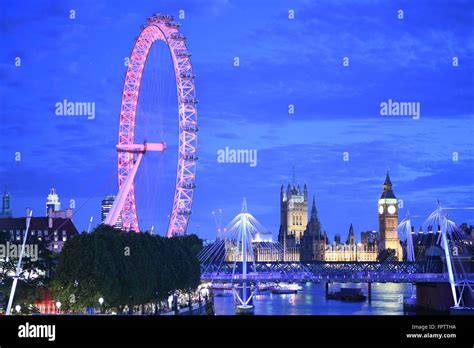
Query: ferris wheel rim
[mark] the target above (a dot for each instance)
(161, 27)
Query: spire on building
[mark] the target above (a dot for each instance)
(314, 210)
(388, 182)
(6, 209)
(387, 188)
(313, 228)
(351, 235)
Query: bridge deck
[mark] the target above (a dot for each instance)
(296, 277)
(398, 272)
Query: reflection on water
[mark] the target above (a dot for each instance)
(387, 299)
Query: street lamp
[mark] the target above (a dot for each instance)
(130, 309)
(101, 302)
(18, 308)
(58, 305)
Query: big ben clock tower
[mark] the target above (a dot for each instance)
(388, 220)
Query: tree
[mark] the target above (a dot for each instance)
(86, 272)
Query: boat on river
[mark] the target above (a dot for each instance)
(347, 294)
(283, 288)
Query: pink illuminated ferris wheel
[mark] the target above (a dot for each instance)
(164, 28)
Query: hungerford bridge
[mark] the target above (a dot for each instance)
(230, 259)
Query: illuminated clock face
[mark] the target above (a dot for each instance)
(391, 209)
(381, 209)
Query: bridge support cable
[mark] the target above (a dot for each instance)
(405, 229)
(449, 239)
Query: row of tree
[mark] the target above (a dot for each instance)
(124, 268)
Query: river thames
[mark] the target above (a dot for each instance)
(387, 299)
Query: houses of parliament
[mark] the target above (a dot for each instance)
(304, 240)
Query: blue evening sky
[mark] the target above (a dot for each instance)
(282, 61)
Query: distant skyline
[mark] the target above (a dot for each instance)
(283, 62)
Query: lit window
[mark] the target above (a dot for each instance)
(55, 246)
